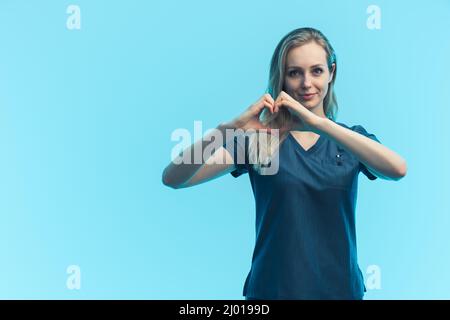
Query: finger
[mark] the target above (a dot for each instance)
(269, 98)
(275, 107)
(275, 103)
(278, 103)
(269, 106)
(266, 99)
(277, 99)
(258, 107)
(272, 106)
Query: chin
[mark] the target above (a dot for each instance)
(309, 104)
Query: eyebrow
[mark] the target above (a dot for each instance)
(316, 65)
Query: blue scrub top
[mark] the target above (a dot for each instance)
(305, 244)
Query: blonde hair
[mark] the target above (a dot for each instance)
(261, 153)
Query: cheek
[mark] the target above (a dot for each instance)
(289, 84)
(323, 86)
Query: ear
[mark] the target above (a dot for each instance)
(333, 67)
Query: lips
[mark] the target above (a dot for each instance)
(307, 96)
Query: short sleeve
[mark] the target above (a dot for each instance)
(360, 129)
(238, 148)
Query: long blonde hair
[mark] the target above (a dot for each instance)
(260, 154)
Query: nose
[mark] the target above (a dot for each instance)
(306, 83)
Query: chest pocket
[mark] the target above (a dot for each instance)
(339, 170)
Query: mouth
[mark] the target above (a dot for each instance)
(307, 96)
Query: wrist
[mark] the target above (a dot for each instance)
(322, 124)
(227, 125)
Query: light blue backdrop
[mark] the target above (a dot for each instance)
(86, 117)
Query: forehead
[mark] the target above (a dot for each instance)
(306, 55)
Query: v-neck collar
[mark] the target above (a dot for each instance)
(312, 149)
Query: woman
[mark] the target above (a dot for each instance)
(305, 211)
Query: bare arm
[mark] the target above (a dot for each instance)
(181, 175)
(187, 174)
(379, 160)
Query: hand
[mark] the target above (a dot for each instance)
(249, 119)
(308, 121)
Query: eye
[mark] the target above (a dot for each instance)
(318, 71)
(293, 72)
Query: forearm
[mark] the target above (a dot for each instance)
(379, 159)
(186, 164)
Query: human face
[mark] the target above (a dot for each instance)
(307, 76)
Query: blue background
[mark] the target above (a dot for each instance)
(86, 118)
